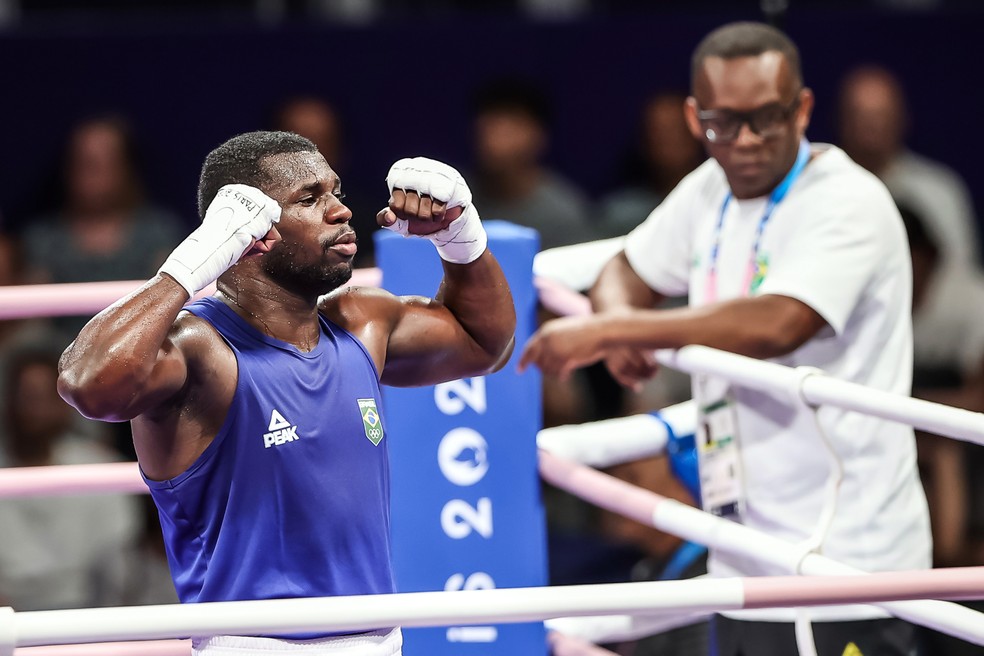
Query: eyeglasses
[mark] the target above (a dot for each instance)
(721, 126)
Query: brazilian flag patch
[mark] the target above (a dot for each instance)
(371, 420)
(761, 271)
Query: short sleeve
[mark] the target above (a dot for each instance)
(660, 250)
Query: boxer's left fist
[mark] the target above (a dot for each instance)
(430, 199)
(425, 194)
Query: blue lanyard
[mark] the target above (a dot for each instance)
(774, 198)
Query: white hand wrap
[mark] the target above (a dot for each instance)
(464, 240)
(238, 215)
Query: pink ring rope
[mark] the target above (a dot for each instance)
(139, 648)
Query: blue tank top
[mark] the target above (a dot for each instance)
(291, 499)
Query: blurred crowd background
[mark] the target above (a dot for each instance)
(564, 115)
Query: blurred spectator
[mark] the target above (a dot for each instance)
(315, 119)
(10, 274)
(63, 552)
(948, 343)
(555, 9)
(105, 229)
(948, 339)
(319, 121)
(511, 182)
(948, 334)
(874, 121)
(663, 153)
(16, 334)
(9, 260)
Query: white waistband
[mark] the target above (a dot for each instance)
(376, 643)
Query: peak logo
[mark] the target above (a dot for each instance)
(281, 431)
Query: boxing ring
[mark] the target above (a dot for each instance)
(568, 456)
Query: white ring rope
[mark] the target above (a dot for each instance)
(623, 439)
(818, 389)
(576, 266)
(507, 605)
(601, 629)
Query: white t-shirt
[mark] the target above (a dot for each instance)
(835, 242)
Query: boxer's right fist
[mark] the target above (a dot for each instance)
(237, 217)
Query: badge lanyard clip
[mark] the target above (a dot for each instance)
(718, 448)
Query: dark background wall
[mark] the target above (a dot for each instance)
(403, 85)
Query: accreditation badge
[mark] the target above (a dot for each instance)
(718, 449)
